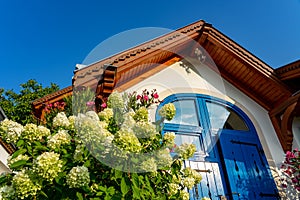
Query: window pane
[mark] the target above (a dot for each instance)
(222, 117)
(186, 113)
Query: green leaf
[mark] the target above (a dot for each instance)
(19, 152)
(44, 194)
(124, 187)
(87, 163)
(17, 164)
(79, 196)
(135, 179)
(20, 143)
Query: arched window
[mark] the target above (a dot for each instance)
(229, 155)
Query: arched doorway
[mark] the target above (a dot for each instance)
(229, 155)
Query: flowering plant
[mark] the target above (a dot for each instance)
(114, 154)
(291, 168)
(145, 99)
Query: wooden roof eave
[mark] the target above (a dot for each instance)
(246, 58)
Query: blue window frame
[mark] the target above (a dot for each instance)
(229, 155)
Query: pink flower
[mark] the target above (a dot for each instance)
(103, 105)
(90, 103)
(138, 97)
(145, 97)
(155, 96)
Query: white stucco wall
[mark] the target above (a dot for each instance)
(3, 160)
(202, 80)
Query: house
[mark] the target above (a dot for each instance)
(240, 113)
(5, 149)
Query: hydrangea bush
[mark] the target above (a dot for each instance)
(114, 154)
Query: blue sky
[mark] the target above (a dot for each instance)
(44, 40)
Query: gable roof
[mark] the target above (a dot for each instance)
(237, 65)
(290, 75)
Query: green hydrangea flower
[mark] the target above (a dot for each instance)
(48, 165)
(24, 186)
(10, 130)
(78, 177)
(168, 111)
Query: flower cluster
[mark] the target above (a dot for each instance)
(185, 150)
(60, 138)
(145, 99)
(141, 114)
(48, 165)
(24, 186)
(169, 139)
(168, 111)
(59, 106)
(191, 177)
(291, 168)
(11, 160)
(127, 141)
(10, 130)
(61, 120)
(78, 177)
(115, 100)
(7, 192)
(106, 115)
(149, 165)
(34, 133)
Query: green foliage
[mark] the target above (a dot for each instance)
(68, 162)
(18, 106)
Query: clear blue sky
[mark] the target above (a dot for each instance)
(43, 40)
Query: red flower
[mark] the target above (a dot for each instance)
(138, 97)
(145, 97)
(155, 96)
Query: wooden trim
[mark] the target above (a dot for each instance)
(282, 118)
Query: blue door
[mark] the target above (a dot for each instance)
(229, 155)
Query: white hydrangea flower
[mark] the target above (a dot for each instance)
(7, 192)
(48, 165)
(115, 100)
(91, 131)
(149, 165)
(33, 132)
(11, 160)
(163, 158)
(169, 138)
(106, 114)
(128, 122)
(184, 195)
(168, 111)
(189, 182)
(144, 130)
(173, 188)
(60, 138)
(78, 177)
(24, 186)
(127, 141)
(93, 115)
(10, 130)
(72, 120)
(185, 150)
(61, 120)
